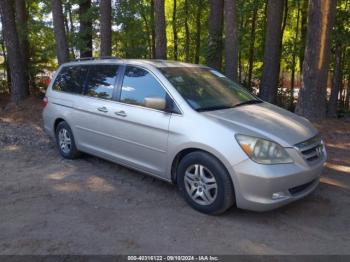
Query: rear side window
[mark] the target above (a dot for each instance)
(71, 79)
(101, 80)
(139, 84)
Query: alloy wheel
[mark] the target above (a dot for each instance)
(64, 140)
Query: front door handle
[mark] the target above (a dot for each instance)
(120, 113)
(102, 109)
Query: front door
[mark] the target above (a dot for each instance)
(142, 131)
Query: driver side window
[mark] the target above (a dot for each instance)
(139, 84)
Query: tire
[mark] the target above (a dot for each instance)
(207, 167)
(63, 131)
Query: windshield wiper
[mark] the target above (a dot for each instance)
(212, 108)
(249, 102)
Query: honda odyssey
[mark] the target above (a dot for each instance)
(188, 125)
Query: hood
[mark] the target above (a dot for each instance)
(267, 121)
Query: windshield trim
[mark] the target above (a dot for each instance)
(223, 107)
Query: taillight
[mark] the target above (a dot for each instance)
(45, 101)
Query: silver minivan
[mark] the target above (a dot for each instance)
(188, 125)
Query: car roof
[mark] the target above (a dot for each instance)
(152, 62)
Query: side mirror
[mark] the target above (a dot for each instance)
(155, 103)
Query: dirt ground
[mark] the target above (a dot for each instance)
(49, 205)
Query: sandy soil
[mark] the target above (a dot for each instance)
(49, 205)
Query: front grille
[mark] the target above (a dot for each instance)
(311, 149)
(300, 188)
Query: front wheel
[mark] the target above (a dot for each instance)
(205, 183)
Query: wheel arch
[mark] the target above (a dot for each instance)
(57, 121)
(185, 151)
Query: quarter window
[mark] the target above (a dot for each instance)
(71, 79)
(101, 80)
(139, 84)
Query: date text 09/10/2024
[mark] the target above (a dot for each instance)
(173, 258)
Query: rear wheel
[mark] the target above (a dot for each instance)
(65, 141)
(205, 183)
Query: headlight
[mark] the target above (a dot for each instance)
(263, 151)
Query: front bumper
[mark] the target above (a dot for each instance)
(256, 185)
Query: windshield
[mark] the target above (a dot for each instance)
(205, 89)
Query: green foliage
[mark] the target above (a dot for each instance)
(41, 39)
(193, 6)
(245, 16)
(341, 32)
(132, 34)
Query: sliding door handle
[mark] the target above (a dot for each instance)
(102, 109)
(120, 113)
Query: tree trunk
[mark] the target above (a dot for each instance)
(187, 34)
(149, 33)
(153, 31)
(342, 91)
(19, 83)
(60, 34)
(304, 13)
(272, 52)
(22, 29)
(251, 48)
(215, 25)
(106, 27)
(6, 64)
(198, 32)
(294, 57)
(240, 65)
(284, 23)
(159, 25)
(175, 31)
(312, 95)
(70, 16)
(347, 96)
(71, 28)
(337, 82)
(85, 30)
(231, 39)
(66, 23)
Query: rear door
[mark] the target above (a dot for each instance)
(67, 87)
(93, 117)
